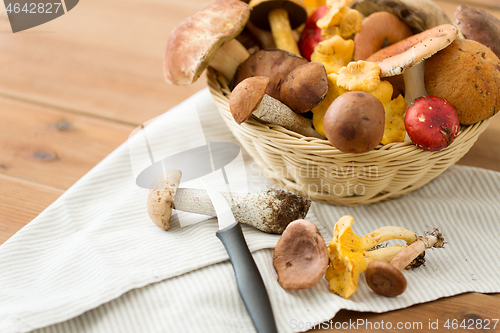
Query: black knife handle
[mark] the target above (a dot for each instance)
(250, 284)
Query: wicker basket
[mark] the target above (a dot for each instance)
(315, 169)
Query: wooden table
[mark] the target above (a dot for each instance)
(73, 89)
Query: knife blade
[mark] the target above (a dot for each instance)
(250, 284)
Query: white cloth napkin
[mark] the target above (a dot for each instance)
(94, 262)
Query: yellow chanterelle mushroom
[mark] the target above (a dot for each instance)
(350, 254)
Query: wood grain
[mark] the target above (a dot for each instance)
(53, 147)
(451, 6)
(466, 306)
(103, 58)
(486, 151)
(20, 202)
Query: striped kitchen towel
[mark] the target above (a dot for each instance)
(94, 262)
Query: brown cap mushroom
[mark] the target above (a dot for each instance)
(246, 97)
(161, 198)
(380, 29)
(301, 256)
(275, 64)
(386, 279)
(305, 87)
(479, 25)
(279, 16)
(401, 58)
(249, 98)
(192, 45)
(467, 75)
(354, 122)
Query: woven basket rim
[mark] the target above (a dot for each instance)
(323, 145)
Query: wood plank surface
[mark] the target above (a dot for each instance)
(53, 147)
(103, 58)
(485, 153)
(469, 306)
(20, 202)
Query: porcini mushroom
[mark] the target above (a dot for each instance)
(350, 254)
(274, 64)
(467, 75)
(279, 16)
(161, 198)
(249, 98)
(407, 57)
(386, 278)
(207, 38)
(479, 25)
(305, 87)
(380, 29)
(354, 122)
(301, 256)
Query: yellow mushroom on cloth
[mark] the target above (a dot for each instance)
(350, 254)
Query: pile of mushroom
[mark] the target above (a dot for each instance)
(394, 50)
(301, 257)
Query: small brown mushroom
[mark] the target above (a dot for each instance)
(354, 122)
(386, 279)
(161, 198)
(275, 64)
(279, 16)
(207, 38)
(301, 256)
(479, 25)
(467, 75)
(249, 98)
(305, 87)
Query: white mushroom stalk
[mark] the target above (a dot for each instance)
(250, 98)
(414, 82)
(405, 257)
(269, 211)
(228, 57)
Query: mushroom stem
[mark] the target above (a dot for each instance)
(228, 57)
(404, 258)
(282, 30)
(273, 111)
(270, 211)
(265, 37)
(386, 279)
(414, 82)
(387, 233)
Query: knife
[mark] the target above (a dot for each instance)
(250, 283)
